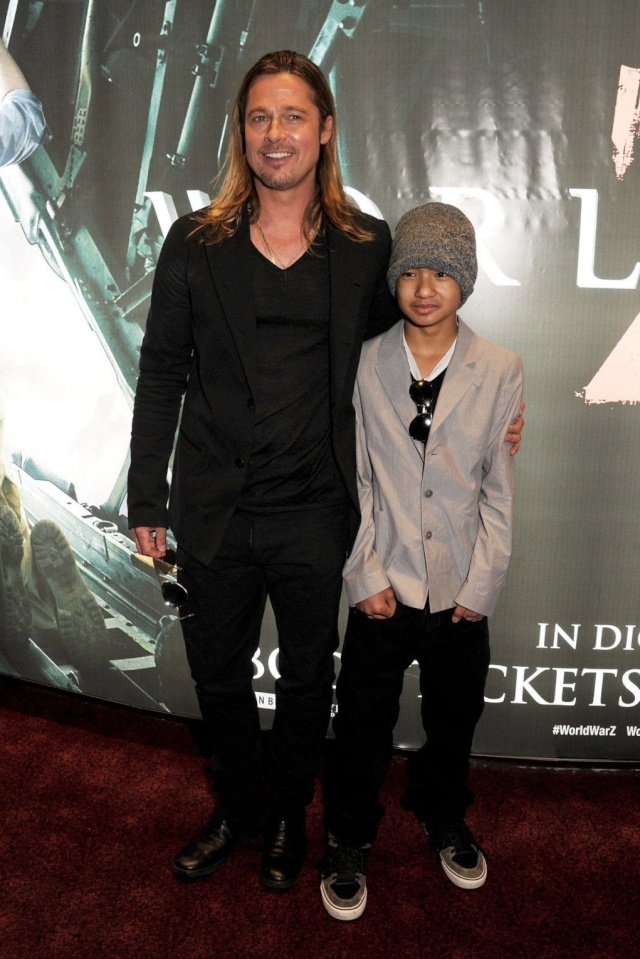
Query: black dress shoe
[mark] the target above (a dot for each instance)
(207, 851)
(285, 845)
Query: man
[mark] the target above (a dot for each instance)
(259, 309)
(22, 122)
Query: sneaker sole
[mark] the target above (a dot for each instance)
(346, 914)
(461, 881)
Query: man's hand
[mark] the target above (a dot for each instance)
(151, 540)
(461, 612)
(515, 429)
(379, 606)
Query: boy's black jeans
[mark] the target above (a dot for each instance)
(454, 661)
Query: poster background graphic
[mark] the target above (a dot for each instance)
(626, 120)
(429, 96)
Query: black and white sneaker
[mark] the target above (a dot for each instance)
(462, 858)
(343, 883)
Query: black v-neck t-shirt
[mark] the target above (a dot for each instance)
(292, 465)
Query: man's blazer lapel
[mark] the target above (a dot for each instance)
(347, 264)
(235, 291)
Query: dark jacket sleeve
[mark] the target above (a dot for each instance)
(165, 360)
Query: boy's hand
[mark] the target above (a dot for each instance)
(461, 612)
(379, 606)
(515, 429)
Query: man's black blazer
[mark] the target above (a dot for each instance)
(200, 342)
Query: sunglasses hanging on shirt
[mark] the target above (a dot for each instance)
(421, 392)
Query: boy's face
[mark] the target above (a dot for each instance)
(428, 299)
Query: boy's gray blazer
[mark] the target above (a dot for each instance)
(451, 513)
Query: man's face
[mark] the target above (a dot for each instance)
(428, 298)
(283, 132)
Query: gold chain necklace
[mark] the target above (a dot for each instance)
(273, 256)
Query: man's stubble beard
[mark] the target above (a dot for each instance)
(275, 181)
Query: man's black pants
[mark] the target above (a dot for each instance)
(296, 559)
(454, 661)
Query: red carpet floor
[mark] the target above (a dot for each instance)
(96, 799)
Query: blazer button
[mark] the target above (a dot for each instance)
(239, 462)
(428, 493)
(428, 534)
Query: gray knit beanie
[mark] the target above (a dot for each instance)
(436, 236)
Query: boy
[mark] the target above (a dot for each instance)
(436, 485)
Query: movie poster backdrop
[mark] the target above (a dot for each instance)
(524, 114)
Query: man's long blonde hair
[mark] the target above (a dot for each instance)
(237, 192)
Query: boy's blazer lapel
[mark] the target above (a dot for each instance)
(460, 376)
(393, 370)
